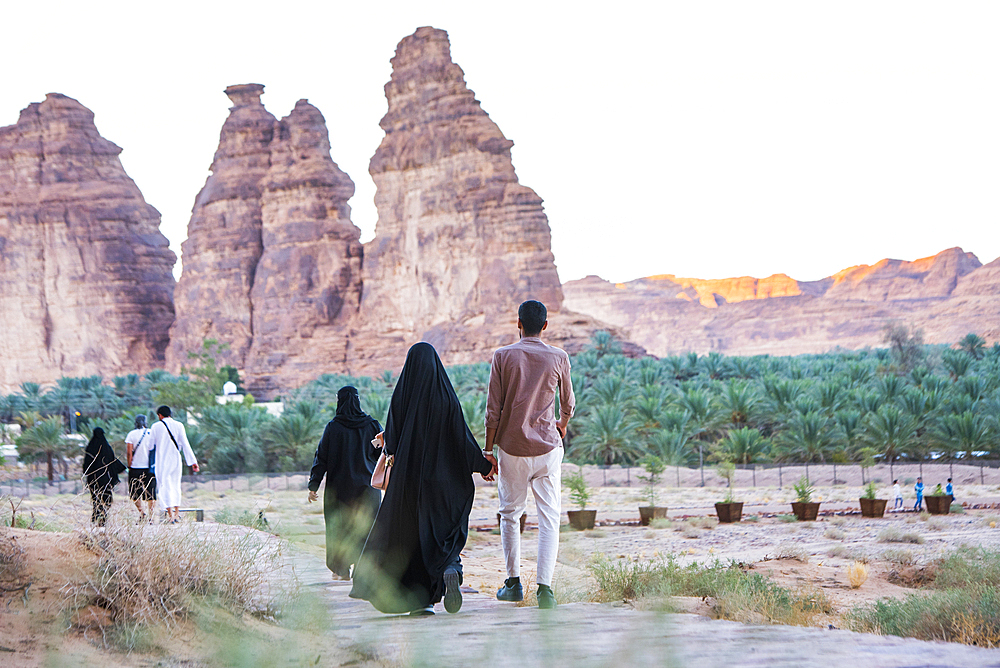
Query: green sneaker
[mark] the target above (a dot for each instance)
(546, 597)
(511, 590)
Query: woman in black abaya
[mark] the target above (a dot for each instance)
(101, 468)
(411, 558)
(347, 458)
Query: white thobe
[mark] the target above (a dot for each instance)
(168, 460)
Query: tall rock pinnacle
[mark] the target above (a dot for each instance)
(308, 280)
(223, 246)
(458, 237)
(85, 275)
(272, 263)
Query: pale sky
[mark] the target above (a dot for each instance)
(703, 139)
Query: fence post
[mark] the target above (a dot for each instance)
(779, 476)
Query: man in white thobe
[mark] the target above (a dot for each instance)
(170, 440)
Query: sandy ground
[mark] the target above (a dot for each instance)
(811, 555)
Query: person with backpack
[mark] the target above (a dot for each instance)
(141, 485)
(169, 442)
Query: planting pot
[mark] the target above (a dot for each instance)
(729, 512)
(938, 505)
(582, 519)
(872, 507)
(805, 512)
(649, 513)
(524, 518)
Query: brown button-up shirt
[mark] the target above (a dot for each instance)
(520, 404)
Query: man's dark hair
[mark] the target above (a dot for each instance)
(163, 411)
(532, 315)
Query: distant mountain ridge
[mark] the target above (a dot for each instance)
(947, 295)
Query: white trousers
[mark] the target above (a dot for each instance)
(544, 475)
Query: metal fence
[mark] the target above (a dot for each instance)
(964, 472)
(240, 482)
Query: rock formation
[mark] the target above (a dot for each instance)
(459, 243)
(272, 261)
(273, 265)
(947, 295)
(223, 245)
(85, 275)
(307, 284)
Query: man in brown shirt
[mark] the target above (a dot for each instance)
(521, 421)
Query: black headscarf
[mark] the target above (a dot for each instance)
(100, 465)
(423, 522)
(349, 411)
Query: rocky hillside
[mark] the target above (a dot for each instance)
(273, 265)
(85, 275)
(947, 295)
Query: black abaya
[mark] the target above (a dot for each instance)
(101, 469)
(423, 522)
(347, 458)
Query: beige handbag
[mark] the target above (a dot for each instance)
(380, 477)
(383, 467)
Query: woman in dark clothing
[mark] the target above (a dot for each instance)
(347, 458)
(411, 558)
(101, 468)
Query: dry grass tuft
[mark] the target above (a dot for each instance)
(894, 535)
(937, 524)
(155, 574)
(689, 531)
(857, 573)
(834, 534)
(900, 556)
(791, 551)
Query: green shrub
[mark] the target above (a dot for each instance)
(739, 595)
(970, 616)
(969, 567)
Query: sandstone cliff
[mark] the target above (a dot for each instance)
(272, 261)
(947, 295)
(460, 242)
(223, 245)
(85, 275)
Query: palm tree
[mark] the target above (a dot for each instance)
(967, 433)
(745, 446)
(891, 432)
(377, 405)
(703, 415)
(292, 439)
(739, 403)
(603, 343)
(809, 436)
(45, 437)
(957, 363)
(609, 390)
(671, 445)
(236, 435)
(973, 345)
(474, 410)
(715, 366)
(606, 437)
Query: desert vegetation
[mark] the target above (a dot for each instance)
(907, 402)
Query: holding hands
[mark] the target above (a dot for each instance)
(491, 458)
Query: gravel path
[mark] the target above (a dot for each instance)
(592, 634)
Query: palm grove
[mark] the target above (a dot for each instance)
(907, 402)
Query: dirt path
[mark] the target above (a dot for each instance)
(593, 634)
